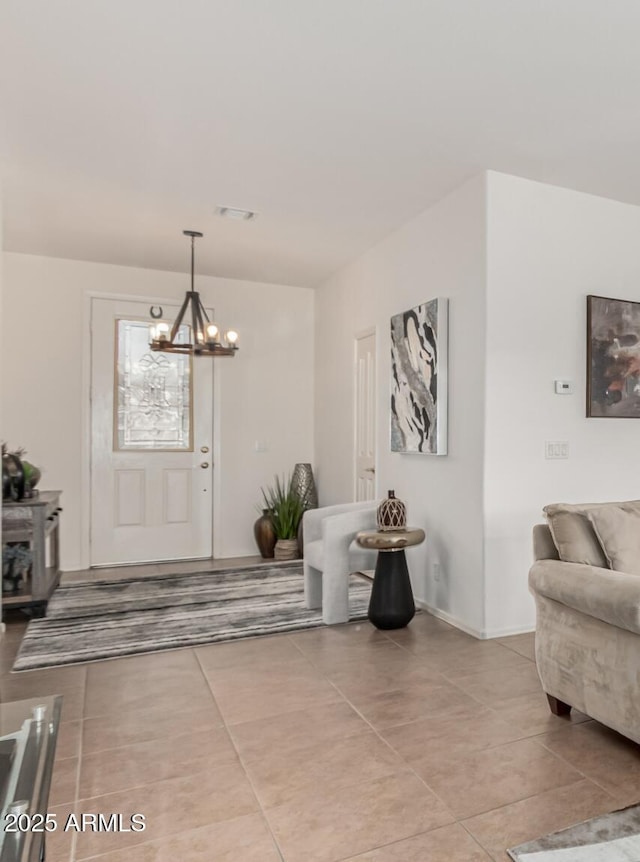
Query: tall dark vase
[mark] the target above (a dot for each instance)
(265, 535)
(304, 484)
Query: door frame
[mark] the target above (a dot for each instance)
(85, 453)
(363, 333)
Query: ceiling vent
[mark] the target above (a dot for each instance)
(235, 213)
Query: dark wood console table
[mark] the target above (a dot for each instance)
(35, 521)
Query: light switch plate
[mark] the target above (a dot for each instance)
(564, 387)
(556, 450)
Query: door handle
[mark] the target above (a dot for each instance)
(204, 465)
(369, 469)
(204, 449)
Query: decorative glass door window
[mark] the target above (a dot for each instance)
(153, 403)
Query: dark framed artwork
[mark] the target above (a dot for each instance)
(613, 358)
(419, 344)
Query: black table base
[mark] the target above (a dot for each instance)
(391, 605)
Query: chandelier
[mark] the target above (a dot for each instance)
(206, 339)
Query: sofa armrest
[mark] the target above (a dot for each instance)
(313, 519)
(312, 524)
(338, 533)
(344, 526)
(613, 597)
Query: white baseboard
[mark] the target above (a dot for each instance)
(476, 633)
(449, 618)
(510, 630)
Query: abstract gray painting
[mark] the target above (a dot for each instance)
(419, 379)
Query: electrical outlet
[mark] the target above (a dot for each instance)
(436, 571)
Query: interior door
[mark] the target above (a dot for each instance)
(365, 417)
(151, 442)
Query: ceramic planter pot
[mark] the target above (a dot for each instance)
(286, 549)
(264, 535)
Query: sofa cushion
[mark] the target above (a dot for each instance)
(618, 531)
(573, 532)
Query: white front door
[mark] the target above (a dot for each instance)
(151, 442)
(365, 418)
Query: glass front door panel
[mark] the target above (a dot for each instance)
(153, 392)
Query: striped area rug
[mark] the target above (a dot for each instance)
(110, 619)
(611, 837)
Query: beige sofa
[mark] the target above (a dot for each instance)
(588, 631)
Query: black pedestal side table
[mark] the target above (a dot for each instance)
(391, 605)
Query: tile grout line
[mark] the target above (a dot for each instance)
(143, 785)
(421, 718)
(241, 761)
(346, 786)
(584, 775)
(477, 841)
(170, 835)
(456, 819)
(397, 754)
(463, 822)
(559, 787)
(150, 739)
(477, 700)
(409, 769)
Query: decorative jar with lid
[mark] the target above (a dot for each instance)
(392, 514)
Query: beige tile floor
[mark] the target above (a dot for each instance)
(340, 743)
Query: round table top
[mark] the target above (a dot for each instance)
(396, 540)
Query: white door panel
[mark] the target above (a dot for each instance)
(151, 487)
(177, 494)
(129, 498)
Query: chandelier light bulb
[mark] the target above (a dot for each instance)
(212, 332)
(231, 336)
(160, 331)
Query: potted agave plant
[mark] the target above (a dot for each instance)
(285, 510)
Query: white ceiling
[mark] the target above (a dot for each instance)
(125, 121)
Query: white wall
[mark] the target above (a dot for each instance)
(2, 625)
(548, 248)
(266, 392)
(440, 253)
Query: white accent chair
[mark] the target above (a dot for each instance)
(330, 555)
